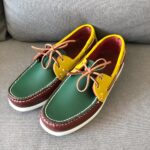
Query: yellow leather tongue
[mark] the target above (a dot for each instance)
(102, 90)
(64, 67)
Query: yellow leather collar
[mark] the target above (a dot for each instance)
(105, 83)
(68, 63)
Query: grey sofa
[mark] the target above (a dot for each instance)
(124, 122)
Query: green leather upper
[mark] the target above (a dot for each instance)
(32, 80)
(67, 101)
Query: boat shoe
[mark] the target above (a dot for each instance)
(51, 64)
(83, 93)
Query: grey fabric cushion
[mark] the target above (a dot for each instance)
(50, 20)
(123, 123)
(2, 22)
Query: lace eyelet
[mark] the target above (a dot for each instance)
(58, 66)
(97, 86)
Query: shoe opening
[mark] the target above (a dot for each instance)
(109, 49)
(81, 36)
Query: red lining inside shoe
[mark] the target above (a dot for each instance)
(81, 37)
(109, 50)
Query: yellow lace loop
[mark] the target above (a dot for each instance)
(87, 72)
(49, 51)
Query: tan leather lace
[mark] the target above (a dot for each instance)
(87, 72)
(49, 51)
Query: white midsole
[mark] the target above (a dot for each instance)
(25, 109)
(84, 123)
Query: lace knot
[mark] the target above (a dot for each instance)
(49, 50)
(89, 71)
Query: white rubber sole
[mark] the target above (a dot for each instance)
(84, 123)
(26, 109)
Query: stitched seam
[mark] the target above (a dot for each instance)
(89, 47)
(74, 115)
(69, 117)
(23, 101)
(54, 95)
(66, 123)
(63, 70)
(34, 94)
(15, 82)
